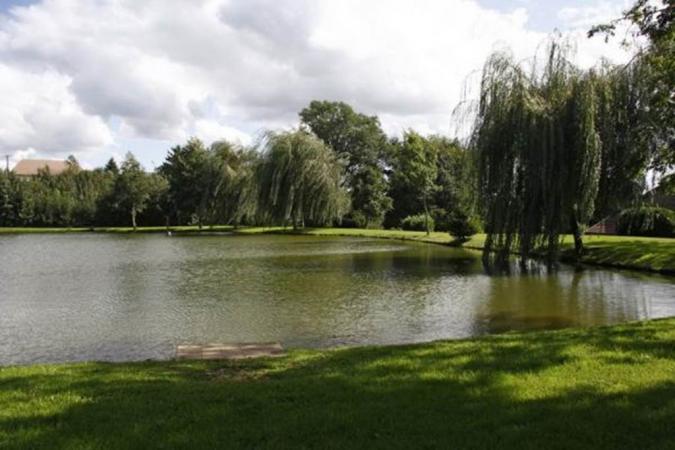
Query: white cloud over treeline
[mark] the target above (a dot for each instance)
(80, 76)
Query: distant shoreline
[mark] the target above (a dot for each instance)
(621, 252)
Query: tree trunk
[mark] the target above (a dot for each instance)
(133, 217)
(426, 216)
(578, 238)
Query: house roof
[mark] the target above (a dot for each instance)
(30, 167)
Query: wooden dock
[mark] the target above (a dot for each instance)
(229, 351)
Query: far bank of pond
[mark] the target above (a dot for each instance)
(622, 252)
(134, 296)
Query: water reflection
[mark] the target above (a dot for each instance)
(73, 297)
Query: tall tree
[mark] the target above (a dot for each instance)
(359, 140)
(190, 173)
(625, 158)
(416, 170)
(111, 167)
(299, 180)
(538, 153)
(654, 22)
(455, 197)
(8, 216)
(235, 197)
(133, 187)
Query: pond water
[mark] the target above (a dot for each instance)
(131, 297)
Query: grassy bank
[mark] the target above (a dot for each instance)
(611, 387)
(630, 252)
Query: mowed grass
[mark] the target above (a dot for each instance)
(630, 252)
(600, 388)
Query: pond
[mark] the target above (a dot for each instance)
(70, 297)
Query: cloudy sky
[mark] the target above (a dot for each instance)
(97, 78)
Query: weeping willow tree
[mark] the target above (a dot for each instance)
(538, 153)
(621, 112)
(299, 181)
(235, 194)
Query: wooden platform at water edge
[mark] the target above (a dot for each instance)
(229, 351)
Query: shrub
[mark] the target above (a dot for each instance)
(356, 219)
(441, 219)
(462, 226)
(347, 222)
(417, 223)
(647, 221)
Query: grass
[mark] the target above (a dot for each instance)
(598, 388)
(629, 252)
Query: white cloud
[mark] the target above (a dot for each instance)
(86, 75)
(39, 112)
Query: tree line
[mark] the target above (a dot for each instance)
(337, 168)
(552, 149)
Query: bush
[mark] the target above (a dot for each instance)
(462, 226)
(417, 223)
(347, 222)
(647, 221)
(441, 219)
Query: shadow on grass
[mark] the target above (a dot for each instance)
(592, 389)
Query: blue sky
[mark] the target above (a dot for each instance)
(542, 14)
(99, 78)
(5, 5)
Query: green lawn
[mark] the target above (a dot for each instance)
(600, 388)
(640, 253)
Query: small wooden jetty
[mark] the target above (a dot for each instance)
(229, 351)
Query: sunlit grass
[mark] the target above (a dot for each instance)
(603, 388)
(642, 253)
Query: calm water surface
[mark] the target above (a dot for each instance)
(109, 297)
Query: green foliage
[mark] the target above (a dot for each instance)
(538, 154)
(192, 180)
(647, 221)
(667, 185)
(654, 22)
(299, 181)
(414, 174)
(624, 157)
(462, 227)
(236, 194)
(210, 185)
(418, 222)
(452, 190)
(133, 187)
(455, 183)
(111, 167)
(361, 143)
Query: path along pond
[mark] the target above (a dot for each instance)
(71, 297)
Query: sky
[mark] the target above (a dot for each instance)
(98, 78)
